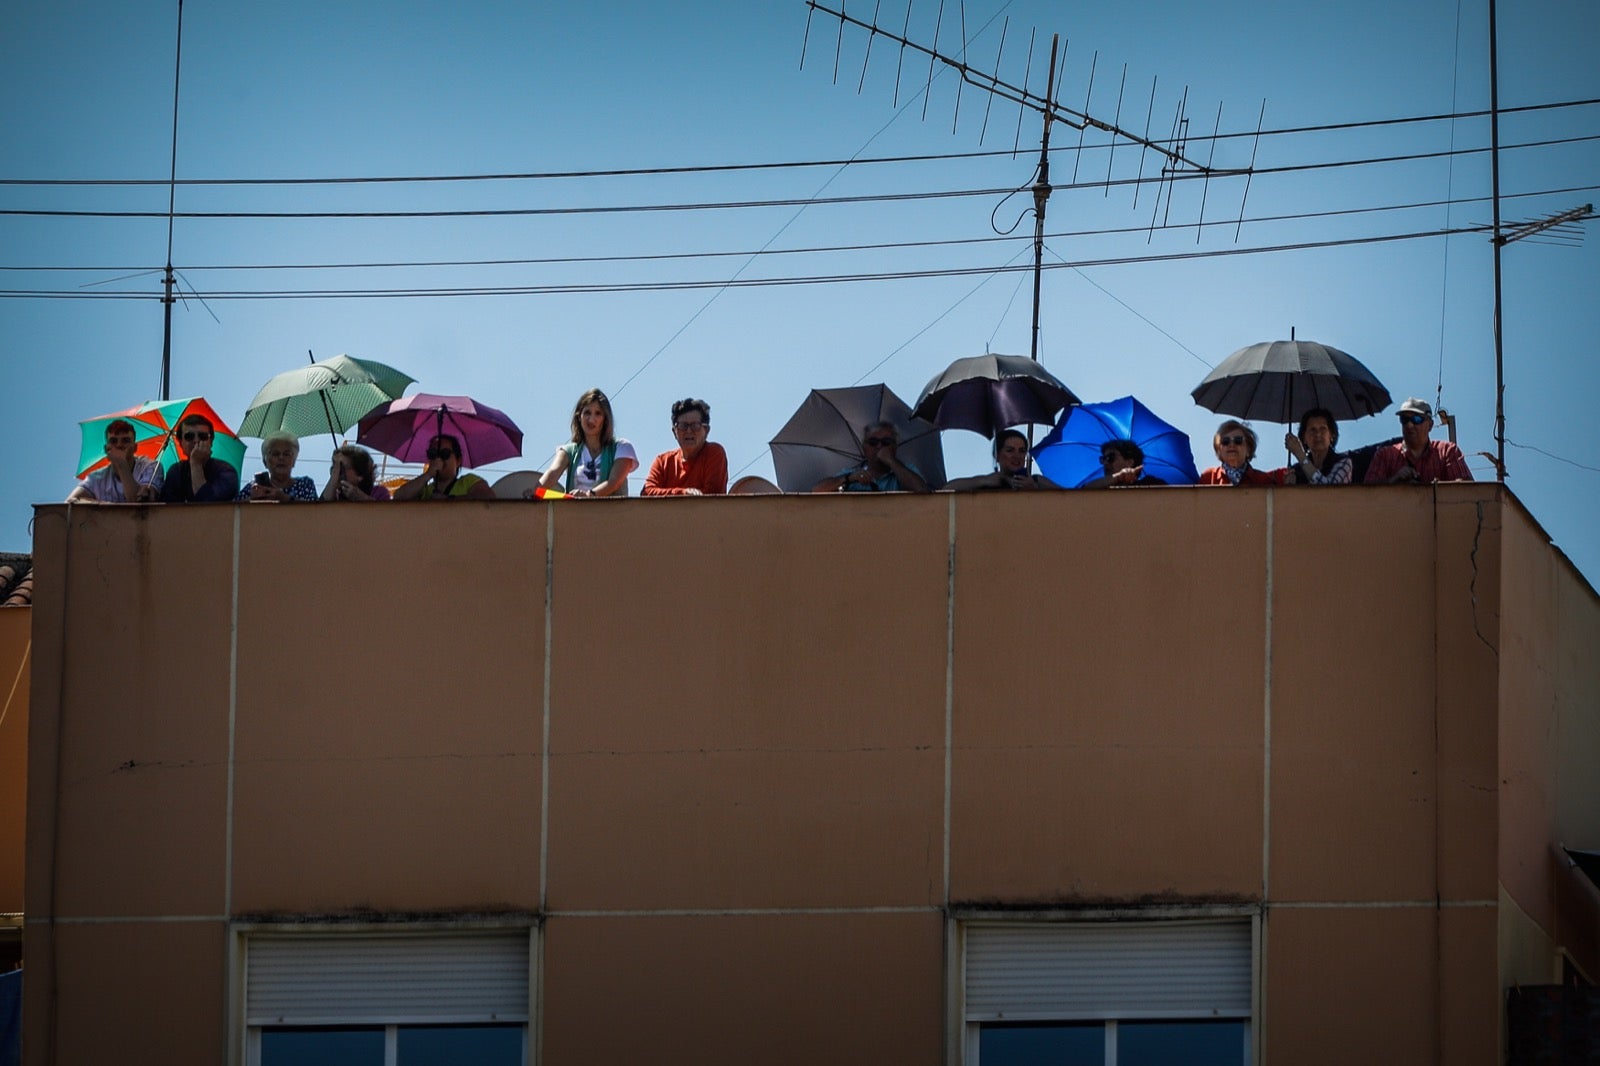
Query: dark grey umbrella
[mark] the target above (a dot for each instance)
(824, 436)
(987, 393)
(1279, 381)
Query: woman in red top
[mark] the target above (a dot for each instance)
(1235, 445)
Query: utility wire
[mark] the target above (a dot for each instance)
(722, 168)
(815, 279)
(875, 198)
(806, 250)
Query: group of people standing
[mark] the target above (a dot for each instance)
(1415, 458)
(596, 462)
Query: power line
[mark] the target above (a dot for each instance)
(805, 250)
(673, 286)
(874, 198)
(722, 168)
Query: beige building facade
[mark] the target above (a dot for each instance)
(1283, 773)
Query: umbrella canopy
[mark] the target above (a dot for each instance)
(403, 427)
(824, 436)
(987, 393)
(326, 397)
(1279, 381)
(155, 429)
(1070, 453)
(148, 435)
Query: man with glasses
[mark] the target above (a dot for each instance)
(881, 469)
(128, 478)
(199, 478)
(698, 467)
(1416, 459)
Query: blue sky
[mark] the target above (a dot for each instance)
(361, 90)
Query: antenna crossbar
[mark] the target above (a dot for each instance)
(1021, 96)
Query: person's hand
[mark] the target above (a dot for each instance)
(121, 456)
(1128, 476)
(1298, 450)
(693, 492)
(200, 451)
(1404, 475)
(581, 493)
(259, 491)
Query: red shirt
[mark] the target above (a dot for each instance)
(1439, 461)
(671, 474)
(1252, 476)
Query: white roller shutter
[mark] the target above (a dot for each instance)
(387, 978)
(1020, 971)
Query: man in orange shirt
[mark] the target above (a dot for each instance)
(698, 467)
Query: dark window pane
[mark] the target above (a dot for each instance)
(1042, 1044)
(447, 1045)
(341, 1046)
(1197, 1043)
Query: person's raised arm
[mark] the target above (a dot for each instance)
(976, 482)
(552, 474)
(909, 479)
(839, 481)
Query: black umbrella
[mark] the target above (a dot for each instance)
(824, 436)
(1279, 381)
(987, 393)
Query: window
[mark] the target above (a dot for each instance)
(386, 998)
(1107, 993)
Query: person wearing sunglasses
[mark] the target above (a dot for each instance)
(596, 462)
(880, 469)
(1415, 459)
(1235, 445)
(697, 467)
(1316, 463)
(277, 483)
(126, 477)
(1010, 468)
(1123, 463)
(442, 478)
(199, 478)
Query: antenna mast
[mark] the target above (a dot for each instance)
(1173, 153)
(172, 192)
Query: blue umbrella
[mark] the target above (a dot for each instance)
(1069, 455)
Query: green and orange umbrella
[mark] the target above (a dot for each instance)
(155, 432)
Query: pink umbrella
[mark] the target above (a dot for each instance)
(402, 428)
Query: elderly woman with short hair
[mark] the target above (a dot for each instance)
(277, 482)
(1235, 445)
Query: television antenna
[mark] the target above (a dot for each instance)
(1174, 152)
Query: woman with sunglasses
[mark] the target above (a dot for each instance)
(1235, 445)
(1316, 463)
(596, 462)
(442, 478)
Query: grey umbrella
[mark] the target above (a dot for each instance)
(824, 436)
(1279, 381)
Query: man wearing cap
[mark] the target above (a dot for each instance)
(1416, 459)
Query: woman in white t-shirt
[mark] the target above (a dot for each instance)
(596, 462)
